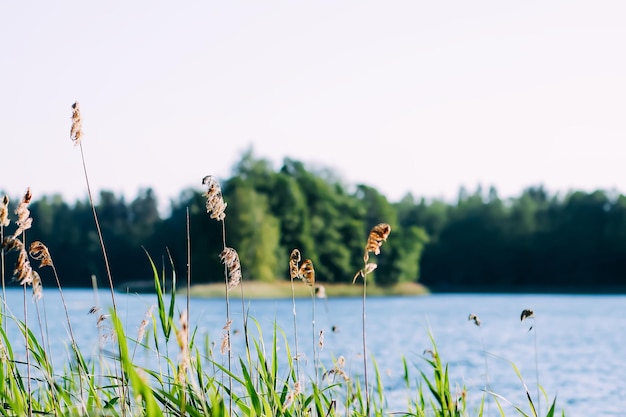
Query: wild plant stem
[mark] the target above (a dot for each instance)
(487, 389)
(4, 293)
(30, 405)
(245, 324)
(106, 265)
(295, 330)
(95, 217)
(228, 344)
(315, 345)
(188, 270)
(537, 370)
(367, 391)
(44, 340)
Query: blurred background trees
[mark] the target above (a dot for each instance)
(535, 241)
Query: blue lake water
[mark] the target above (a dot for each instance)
(578, 354)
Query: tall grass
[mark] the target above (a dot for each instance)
(192, 381)
(184, 376)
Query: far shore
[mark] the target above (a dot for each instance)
(283, 289)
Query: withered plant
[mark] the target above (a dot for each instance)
(76, 135)
(216, 209)
(377, 236)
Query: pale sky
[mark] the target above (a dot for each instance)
(404, 96)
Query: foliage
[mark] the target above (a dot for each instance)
(535, 241)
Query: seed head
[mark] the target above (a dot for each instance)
(307, 273)
(230, 258)
(215, 205)
(37, 287)
(23, 272)
(4, 212)
(527, 314)
(24, 221)
(40, 252)
(475, 318)
(377, 236)
(294, 260)
(76, 132)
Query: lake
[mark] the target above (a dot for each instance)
(579, 350)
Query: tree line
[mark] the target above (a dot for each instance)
(536, 241)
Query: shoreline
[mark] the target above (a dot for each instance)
(283, 289)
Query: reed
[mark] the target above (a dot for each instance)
(76, 134)
(193, 381)
(377, 236)
(216, 209)
(4, 222)
(474, 318)
(294, 269)
(528, 314)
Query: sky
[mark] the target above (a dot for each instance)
(404, 96)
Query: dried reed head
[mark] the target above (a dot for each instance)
(307, 273)
(101, 319)
(475, 318)
(144, 324)
(182, 337)
(76, 132)
(230, 258)
(337, 370)
(527, 314)
(40, 252)
(215, 205)
(294, 260)
(225, 345)
(37, 287)
(24, 221)
(106, 332)
(297, 390)
(12, 243)
(4, 212)
(183, 333)
(377, 236)
(23, 272)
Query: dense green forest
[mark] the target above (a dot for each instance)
(535, 242)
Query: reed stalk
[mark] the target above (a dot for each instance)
(530, 314)
(188, 231)
(318, 340)
(76, 134)
(377, 236)
(28, 374)
(4, 221)
(294, 261)
(216, 208)
(473, 317)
